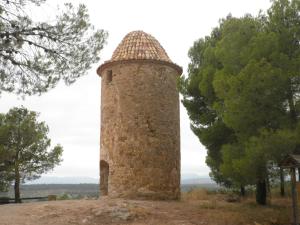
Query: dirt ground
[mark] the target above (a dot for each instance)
(212, 210)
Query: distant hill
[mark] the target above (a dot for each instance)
(190, 178)
(186, 178)
(42, 190)
(64, 180)
(87, 186)
(200, 180)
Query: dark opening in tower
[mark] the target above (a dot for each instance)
(104, 173)
(109, 77)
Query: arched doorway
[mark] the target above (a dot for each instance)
(104, 173)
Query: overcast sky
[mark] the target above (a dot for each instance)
(73, 112)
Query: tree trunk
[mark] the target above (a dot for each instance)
(243, 191)
(282, 192)
(268, 191)
(261, 192)
(293, 112)
(17, 186)
(294, 197)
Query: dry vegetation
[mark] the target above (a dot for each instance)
(217, 209)
(197, 207)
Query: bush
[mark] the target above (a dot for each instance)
(195, 194)
(52, 197)
(64, 196)
(4, 200)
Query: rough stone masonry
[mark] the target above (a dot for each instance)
(140, 131)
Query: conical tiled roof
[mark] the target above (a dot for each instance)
(138, 45)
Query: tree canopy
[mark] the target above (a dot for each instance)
(34, 55)
(242, 93)
(24, 148)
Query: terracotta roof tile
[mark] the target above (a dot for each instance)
(139, 45)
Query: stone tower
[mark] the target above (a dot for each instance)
(140, 131)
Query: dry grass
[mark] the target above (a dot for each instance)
(195, 194)
(217, 210)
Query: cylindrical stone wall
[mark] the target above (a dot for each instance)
(140, 131)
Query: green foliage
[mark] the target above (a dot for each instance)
(242, 93)
(34, 56)
(24, 147)
(64, 196)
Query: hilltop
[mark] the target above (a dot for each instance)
(196, 208)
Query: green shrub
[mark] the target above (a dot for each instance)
(4, 200)
(64, 196)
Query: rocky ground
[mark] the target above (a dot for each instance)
(207, 211)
